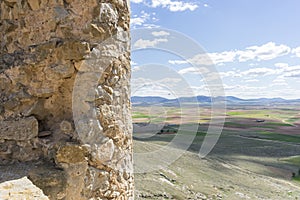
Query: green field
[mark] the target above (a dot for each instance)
(294, 160)
(256, 145)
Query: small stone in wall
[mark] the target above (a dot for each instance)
(103, 153)
(34, 4)
(70, 154)
(44, 133)
(66, 127)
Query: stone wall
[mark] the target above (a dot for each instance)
(64, 101)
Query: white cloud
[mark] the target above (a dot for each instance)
(234, 74)
(206, 5)
(144, 19)
(160, 33)
(203, 89)
(149, 43)
(292, 68)
(174, 6)
(291, 72)
(208, 58)
(296, 51)
(245, 91)
(194, 70)
(282, 70)
(260, 72)
(150, 26)
(132, 63)
(142, 87)
(136, 1)
(169, 80)
(223, 57)
(279, 81)
(281, 65)
(137, 21)
(201, 59)
(231, 87)
(251, 80)
(140, 20)
(165, 87)
(265, 52)
(253, 64)
(135, 68)
(177, 62)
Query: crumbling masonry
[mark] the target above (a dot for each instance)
(65, 109)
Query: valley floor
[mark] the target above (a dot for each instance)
(253, 159)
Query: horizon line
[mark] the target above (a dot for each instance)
(252, 98)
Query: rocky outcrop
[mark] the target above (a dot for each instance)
(64, 100)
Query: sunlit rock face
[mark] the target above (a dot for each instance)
(64, 100)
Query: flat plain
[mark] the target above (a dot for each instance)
(256, 157)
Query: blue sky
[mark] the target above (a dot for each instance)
(253, 44)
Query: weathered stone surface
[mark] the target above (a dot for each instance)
(21, 189)
(76, 174)
(103, 153)
(64, 95)
(52, 181)
(18, 140)
(34, 4)
(66, 127)
(19, 130)
(70, 154)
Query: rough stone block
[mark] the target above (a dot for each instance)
(70, 154)
(21, 188)
(52, 181)
(19, 130)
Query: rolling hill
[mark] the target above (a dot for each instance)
(206, 100)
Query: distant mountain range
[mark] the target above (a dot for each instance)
(206, 100)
